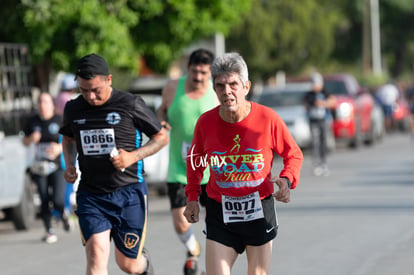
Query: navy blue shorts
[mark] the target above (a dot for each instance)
(388, 110)
(123, 211)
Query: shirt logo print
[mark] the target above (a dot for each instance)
(113, 118)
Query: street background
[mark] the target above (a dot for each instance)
(358, 221)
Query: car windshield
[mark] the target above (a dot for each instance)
(335, 87)
(278, 99)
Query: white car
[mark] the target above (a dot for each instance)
(17, 192)
(287, 101)
(155, 166)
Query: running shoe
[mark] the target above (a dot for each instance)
(191, 263)
(191, 266)
(66, 223)
(50, 238)
(318, 171)
(149, 270)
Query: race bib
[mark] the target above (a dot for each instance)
(185, 147)
(242, 209)
(41, 152)
(97, 141)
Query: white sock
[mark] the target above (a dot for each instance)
(189, 240)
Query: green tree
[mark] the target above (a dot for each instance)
(397, 36)
(285, 35)
(59, 32)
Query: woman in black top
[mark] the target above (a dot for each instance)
(42, 130)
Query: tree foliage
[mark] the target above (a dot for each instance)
(272, 35)
(397, 36)
(285, 35)
(59, 32)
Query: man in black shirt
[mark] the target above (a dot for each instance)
(104, 127)
(317, 103)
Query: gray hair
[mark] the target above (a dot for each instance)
(230, 63)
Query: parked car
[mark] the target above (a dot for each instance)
(17, 192)
(357, 117)
(155, 166)
(287, 101)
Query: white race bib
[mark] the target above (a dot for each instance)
(97, 141)
(185, 147)
(242, 209)
(41, 152)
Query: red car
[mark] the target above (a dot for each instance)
(356, 116)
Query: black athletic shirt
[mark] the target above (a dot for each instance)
(49, 130)
(120, 123)
(316, 113)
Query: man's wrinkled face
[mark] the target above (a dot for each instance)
(96, 91)
(230, 91)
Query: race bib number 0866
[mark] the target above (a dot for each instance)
(97, 141)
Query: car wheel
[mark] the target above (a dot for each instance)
(370, 138)
(23, 215)
(356, 141)
(405, 125)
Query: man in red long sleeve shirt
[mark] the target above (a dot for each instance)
(237, 141)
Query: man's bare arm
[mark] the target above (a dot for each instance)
(168, 94)
(125, 159)
(69, 150)
(156, 143)
(69, 154)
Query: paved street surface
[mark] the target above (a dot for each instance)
(357, 221)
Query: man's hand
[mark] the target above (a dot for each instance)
(191, 212)
(54, 150)
(122, 159)
(283, 194)
(70, 174)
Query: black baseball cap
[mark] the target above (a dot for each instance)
(91, 65)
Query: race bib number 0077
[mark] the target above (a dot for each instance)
(242, 209)
(97, 141)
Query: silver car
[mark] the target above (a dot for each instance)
(287, 101)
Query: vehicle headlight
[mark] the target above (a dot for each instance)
(344, 110)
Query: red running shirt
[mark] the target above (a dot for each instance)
(240, 155)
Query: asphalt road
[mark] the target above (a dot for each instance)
(357, 221)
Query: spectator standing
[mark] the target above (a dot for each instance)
(183, 101)
(68, 90)
(42, 130)
(104, 127)
(318, 103)
(388, 95)
(238, 140)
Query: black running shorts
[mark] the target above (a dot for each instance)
(176, 194)
(240, 234)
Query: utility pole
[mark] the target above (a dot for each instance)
(366, 38)
(371, 41)
(376, 40)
